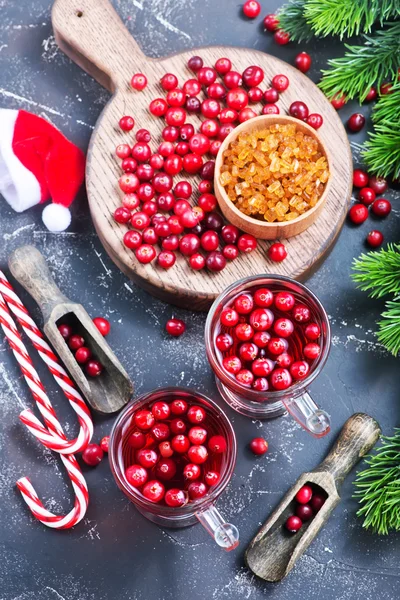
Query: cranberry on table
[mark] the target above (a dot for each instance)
(281, 37)
(247, 243)
(381, 207)
(367, 195)
(136, 475)
(143, 135)
(214, 221)
(271, 95)
(103, 325)
(315, 120)
(223, 65)
(123, 151)
(126, 123)
(122, 215)
(195, 63)
(82, 355)
(230, 252)
(293, 524)
(193, 105)
(65, 330)
(271, 23)
(129, 165)
(280, 83)
(378, 184)
(255, 94)
(358, 214)
(175, 497)
(259, 446)
(105, 443)
(237, 99)
(92, 455)
(192, 87)
(252, 76)
(356, 122)
(206, 75)
(153, 491)
(75, 342)
(175, 327)
(176, 98)
(338, 101)
(139, 81)
(251, 9)
(277, 252)
(303, 62)
(360, 178)
(145, 253)
(299, 110)
(158, 107)
(169, 82)
(374, 239)
(270, 109)
(197, 262)
(246, 114)
(192, 163)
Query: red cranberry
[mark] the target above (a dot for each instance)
(304, 494)
(338, 101)
(225, 130)
(175, 327)
(181, 206)
(197, 435)
(262, 367)
(195, 63)
(170, 133)
(175, 498)
(261, 339)
(217, 444)
(271, 23)
(139, 81)
(189, 244)
(253, 76)
(153, 491)
(246, 114)
(312, 331)
(129, 165)
(140, 220)
(131, 201)
(158, 107)
(385, 89)
(156, 161)
(358, 214)
(237, 99)
(356, 122)
(255, 95)
(315, 120)
(192, 163)
(378, 184)
(182, 148)
(245, 377)
(281, 37)
(304, 512)
(372, 95)
(281, 379)
(165, 449)
(103, 325)
(283, 327)
(301, 313)
(209, 241)
(145, 172)
(214, 221)
(186, 132)
(191, 471)
(169, 82)
(227, 115)
(247, 243)
(180, 443)
(215, 261)
(299, 110)
(223, 66)
(198, 454)
(209, 128)
(270, 109)
(299, 369)
(82, 355)
(183, 189)
(317, 501)
(196, 415)
(178, 407)
(92, 455)
(211, 478)
(303, 62)
(191, 87)
(210, 108)
(206, 75)
(229, 317)
(251, 9)
(193, 105)
(199, 144)
(145, 253)
(280, 83)
(244, 332)
(141, 152)
(208, 203)
(170, 243)
(261, 384)
(381, 207)
(263, 297)
(123, 151)
(136, 475)
(224, 341)
(65, 330)
(105, 443)
(232, 364)
(144, 419)
(175, 116)
(284, 360)
(259, 446)
(293, 524)
(311, 350)
(284, 301)
(230, 252)
(166, 469)
(271, 96)
(232, 80)
(160, 432)
(248, 351)
(147, 457)
(261, 319)
(160, 410)
(162, 229)
(367, 195)
(76, 341)
(207, 170)
(176, 99)
(197, 262)
(360, 178)
(244, 304)
(374, 239)
(137, 440)
(128, 183)
(197, 489)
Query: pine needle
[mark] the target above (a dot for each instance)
(346, 18)
(292, 20)
(378, 487)
(389, 327)
(364, 66)
(379, 272)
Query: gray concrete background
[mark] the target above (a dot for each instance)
(115, 553)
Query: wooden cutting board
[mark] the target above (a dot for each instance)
(91, 33)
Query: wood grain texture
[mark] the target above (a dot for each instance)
(273, 552)
(263, 229)
(110, 391)
(93, 36)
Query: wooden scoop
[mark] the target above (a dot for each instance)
(106, 393)
(274, 551)
(91, 34)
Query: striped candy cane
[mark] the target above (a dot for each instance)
(52, 437)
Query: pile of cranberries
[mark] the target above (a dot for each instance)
(268, 340)
(174, 452)
(308, 503)
(82, 353)
(369, 188)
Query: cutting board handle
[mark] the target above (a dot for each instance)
(358, 436)
(30, 269)
(91, 33)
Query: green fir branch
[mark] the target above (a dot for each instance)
(364, 66)
(346, 18)
(378, 487)
(379, 272)
(292, 20)
(389, 327)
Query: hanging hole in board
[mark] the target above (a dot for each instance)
(79, 13)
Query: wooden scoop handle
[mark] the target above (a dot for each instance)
(91, 33)
(30, 269)
(358, 435)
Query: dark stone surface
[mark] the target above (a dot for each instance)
(115, 552)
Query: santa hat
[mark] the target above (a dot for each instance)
(37, 163)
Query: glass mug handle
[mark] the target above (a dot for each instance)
(225, 534)
(304, 410)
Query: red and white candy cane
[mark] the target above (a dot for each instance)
(52, 437)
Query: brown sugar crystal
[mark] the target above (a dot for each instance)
(274, 174)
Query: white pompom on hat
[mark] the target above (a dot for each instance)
(37, 163)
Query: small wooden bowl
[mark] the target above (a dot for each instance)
(263, 229)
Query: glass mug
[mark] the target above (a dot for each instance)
(269, 404)
(201, 510)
